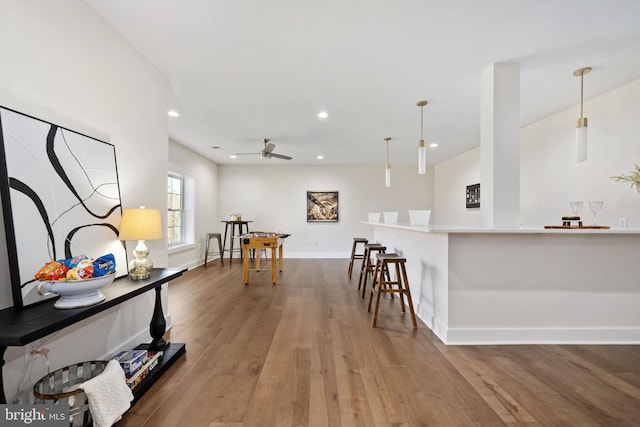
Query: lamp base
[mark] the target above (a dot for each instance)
(139, 276)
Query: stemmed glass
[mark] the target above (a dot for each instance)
(576, 207)
(595, 207)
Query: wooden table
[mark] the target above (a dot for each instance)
(240, 224)
(261, 241)
(23, 326)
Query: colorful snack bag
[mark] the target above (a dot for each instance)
(52, 270)
(104, 265)
(73, 262)
(82, 270)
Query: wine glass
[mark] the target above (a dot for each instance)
(576, 207)
(595, 207)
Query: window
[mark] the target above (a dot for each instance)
(175, 210)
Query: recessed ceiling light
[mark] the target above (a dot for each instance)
(233, 156)
(433, 145)
(173, 113)
(320, 157)
(323, 114)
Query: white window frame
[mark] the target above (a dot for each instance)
(188, 219)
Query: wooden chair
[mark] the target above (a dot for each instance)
(354, 254)
(383, 284)
(367, 266)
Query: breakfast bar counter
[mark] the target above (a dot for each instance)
(474, 285)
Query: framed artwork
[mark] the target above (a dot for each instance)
(473, 196)
(322, 206)
(60, 199)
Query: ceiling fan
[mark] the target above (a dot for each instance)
(267, 151)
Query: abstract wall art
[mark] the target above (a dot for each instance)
(60, 199)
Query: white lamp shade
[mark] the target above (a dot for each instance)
(140, 224)
(422, 160)
(387, 177)
(581, 144)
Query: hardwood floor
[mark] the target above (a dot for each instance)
(303, 353)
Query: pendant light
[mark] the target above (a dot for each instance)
(581, 125)
(387, 168)
(422, 152)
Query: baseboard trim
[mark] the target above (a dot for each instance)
(518, 336)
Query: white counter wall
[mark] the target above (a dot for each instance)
(522, 286)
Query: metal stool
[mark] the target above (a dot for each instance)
(367, 266)
(383, 284)
(354, 254)
(206, 247)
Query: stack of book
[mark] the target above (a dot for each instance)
(137, 364)
(569, 221)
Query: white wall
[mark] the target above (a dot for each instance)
(204, 174)
(549, 175)
(274, 198)
(451, 180)
(63, 64)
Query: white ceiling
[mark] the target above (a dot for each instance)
(243, 70)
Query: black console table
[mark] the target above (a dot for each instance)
(21, 327)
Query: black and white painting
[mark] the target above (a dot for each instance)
(473, 196)
(60, 199)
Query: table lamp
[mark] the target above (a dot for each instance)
(140, 224)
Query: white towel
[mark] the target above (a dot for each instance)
(108, 395)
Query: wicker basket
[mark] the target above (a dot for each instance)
(61, 386)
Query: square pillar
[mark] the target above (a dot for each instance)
(500, 146)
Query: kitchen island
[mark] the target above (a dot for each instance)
(523, 285)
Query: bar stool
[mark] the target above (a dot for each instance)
(383, 284)
(354, 254)
(367, 267)
(206, 247)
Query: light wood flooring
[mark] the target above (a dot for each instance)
(303, 353)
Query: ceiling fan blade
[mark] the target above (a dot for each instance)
(281, 156)
(269, 147)
(245, 154)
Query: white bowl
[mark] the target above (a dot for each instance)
(417, 217)
(390, 217)
(373, 216)
(76, 293)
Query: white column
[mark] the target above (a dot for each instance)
(500, 146)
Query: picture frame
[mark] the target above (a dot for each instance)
(473, 196)
(322, 206)
(60, 199)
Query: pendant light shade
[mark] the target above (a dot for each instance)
(422, 153)
(387, 168)
(581, 125)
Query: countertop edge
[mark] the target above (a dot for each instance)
(486, 230)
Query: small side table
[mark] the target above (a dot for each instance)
(241, 225)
